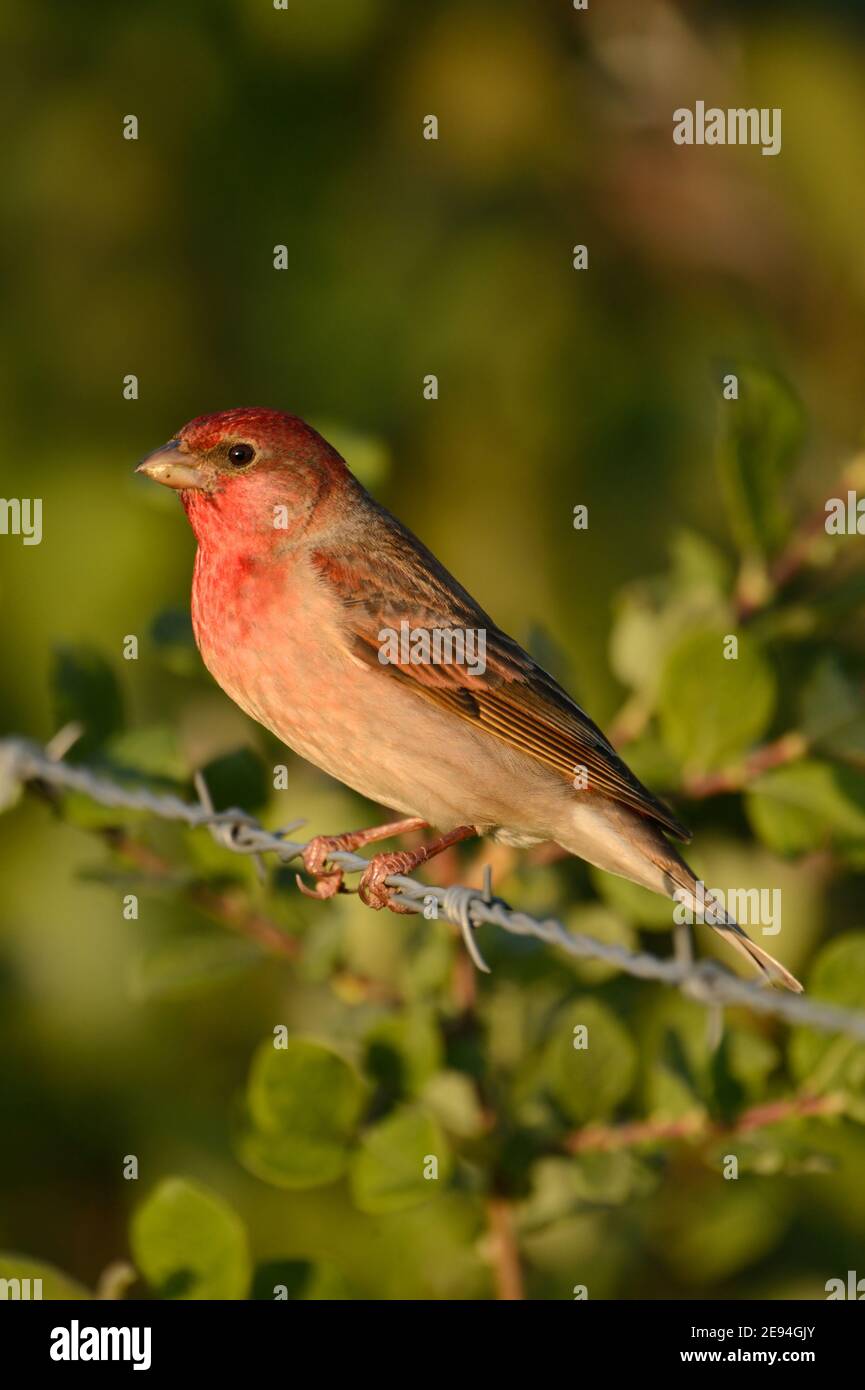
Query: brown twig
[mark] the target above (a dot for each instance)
(796, 553)
(228, 908)
(787, 749)
(504, 1251)
(698, 1125)
(231, 910)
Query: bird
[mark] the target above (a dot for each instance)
(330, 623)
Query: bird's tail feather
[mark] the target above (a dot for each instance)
(768, 965)
(629, 845)
(728, 928)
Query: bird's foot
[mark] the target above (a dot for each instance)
(328, 882)
(372, 889)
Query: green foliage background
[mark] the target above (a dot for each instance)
(299, 1166)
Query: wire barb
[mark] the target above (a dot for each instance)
(457, 907)
(705, 982)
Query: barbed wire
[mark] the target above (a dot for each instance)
(706, 982)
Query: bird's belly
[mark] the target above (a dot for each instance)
(360, 725)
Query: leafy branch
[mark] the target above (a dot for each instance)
(697, 1125)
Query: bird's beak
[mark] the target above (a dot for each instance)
(171, 467)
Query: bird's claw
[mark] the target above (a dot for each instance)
(328, 882)
(372, 889)
(326, 885)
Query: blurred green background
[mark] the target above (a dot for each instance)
(303, 127)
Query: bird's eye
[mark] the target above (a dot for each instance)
(239, 454)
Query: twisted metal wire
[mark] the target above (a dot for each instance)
(706, 982)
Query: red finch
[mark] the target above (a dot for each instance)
(326, 620)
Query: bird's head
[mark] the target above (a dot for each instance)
(251, 470)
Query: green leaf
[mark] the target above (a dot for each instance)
(588, 1082)
(682, 1074)
(823, 1061)
(707, 1230)
(190, 1244)
(55, 1285)
(651, 615)
(304, 1102)
(751, 1059)
(453, 1098)
(760, 436)
(654, 764)
(712, 708)
(676, 1076)
(562, 1187)
(388, 1170)
(601, 924)
(85, 690)
(783, 1148)
(674, 1057)
(302, 1280)
(833, 713)
(288, 1162)
(637, 639)
(403, 1050)
(151, 752)
(808, 805)
(727, 1092)
(698, 563)
(173, 638)
(237, 779)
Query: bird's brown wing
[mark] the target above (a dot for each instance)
(393, 579)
